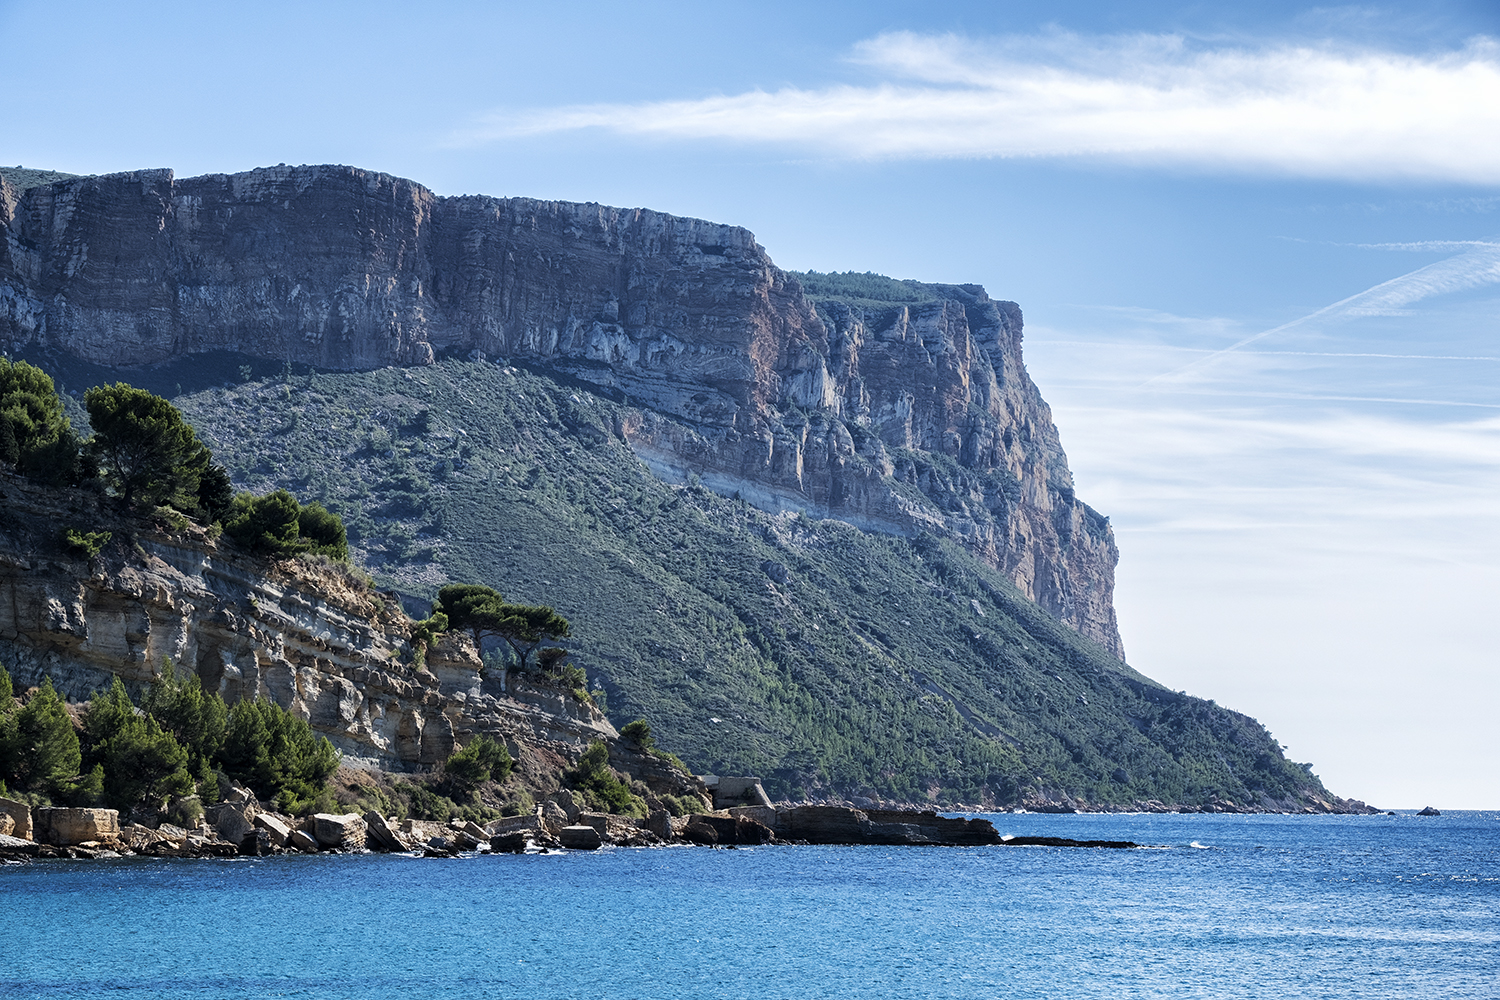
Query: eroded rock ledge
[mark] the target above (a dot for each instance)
(310, 635)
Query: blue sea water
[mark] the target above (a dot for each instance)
(1226, 906)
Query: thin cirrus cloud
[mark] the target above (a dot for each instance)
(1296, 109)
(1476, 267)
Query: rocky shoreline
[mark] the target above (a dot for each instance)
(240, 827)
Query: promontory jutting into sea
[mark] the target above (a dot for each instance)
(340, 517)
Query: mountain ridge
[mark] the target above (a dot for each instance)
(824, 535)
(739, 378)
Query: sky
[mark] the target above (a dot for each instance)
(1257, 250)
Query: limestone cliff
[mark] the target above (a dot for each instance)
(309, 635)
(900, 420)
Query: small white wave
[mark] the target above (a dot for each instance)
(1201, 847)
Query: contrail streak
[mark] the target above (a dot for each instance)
(1467, 270)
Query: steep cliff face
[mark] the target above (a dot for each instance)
(904, 419)
(306, 635)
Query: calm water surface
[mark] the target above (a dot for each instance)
(1229, 906)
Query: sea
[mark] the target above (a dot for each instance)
(1217, 906)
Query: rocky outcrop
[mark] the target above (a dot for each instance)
(308, 635)
(65, 827)
(19, 816)
(843, 825)
(907, 418)
(339, 832)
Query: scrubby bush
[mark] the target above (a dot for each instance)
(322, 531)
(601, 785)
(639, 733)
(482, 760)
(277, 525)
(87, 544)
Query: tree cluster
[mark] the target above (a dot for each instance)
(144, 452)
(593, 776)
(178, 742)
(483, 612)
(277, 525)
(482, 760)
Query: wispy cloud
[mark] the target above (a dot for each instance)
(1323, 111)
(1477, 267)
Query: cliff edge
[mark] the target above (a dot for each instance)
(895, 417)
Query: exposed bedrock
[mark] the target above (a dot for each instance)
(308, 635)
(898, 419)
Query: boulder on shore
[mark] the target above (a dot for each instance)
(233, 821)
(728, 830)
(278, 831)
(513, 842)
(843, 825)
(339, 833)
(381, 836)
(18, 847)
(64, 827)
(581, 838)
(302, 841)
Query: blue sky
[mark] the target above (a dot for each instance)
(1258, 252)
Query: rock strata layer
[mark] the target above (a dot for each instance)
(906, 418)
(303, 633)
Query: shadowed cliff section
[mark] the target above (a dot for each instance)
(898, 417)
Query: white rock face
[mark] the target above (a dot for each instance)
(344, 833)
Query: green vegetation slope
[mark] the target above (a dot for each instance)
(822, 658)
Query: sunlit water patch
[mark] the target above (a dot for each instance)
(1275, 907)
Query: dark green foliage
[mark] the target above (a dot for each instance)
(215, 492)
(427, 630)
(198, 719)
(147, 452)
(142, 763)
(277, 525)
(89, 790)
(864, 288)
(36, 437)
(267, 524)
(603, 787)
(421, 802)
(7, 726)
(482, 760)
(639, 733)
(276, 754)
(87, 544)
(44, 753)
(867, 673)
(323, 531)
(483, 612)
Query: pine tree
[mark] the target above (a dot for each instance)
(143, 763)
(45, 752)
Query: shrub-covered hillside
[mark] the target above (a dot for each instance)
(819, 657)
